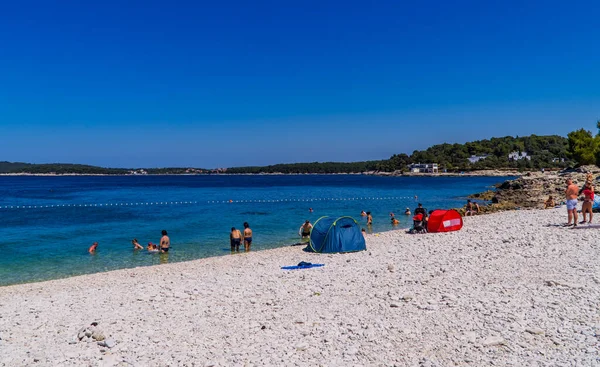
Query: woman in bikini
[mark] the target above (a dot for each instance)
(247, 236)
(588, 201)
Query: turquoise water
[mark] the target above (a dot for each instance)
(48, 223)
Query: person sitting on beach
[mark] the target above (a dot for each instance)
(247, 236)
(588, 201)
(549, 204)
(364, 232)
(369, 219)
(235, 239)
(471, 208)
(136, 244)
(421, 210)
(407, 211)
(363, 214)
(305, 229)
(165, 242)
(93, 247)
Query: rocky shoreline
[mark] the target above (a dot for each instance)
(531, 190)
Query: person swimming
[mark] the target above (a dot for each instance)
(363, 214)
(152, 247)
(136, 244)
(407, 211)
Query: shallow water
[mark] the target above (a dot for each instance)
(58, 218)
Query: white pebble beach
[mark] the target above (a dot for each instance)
(509, 289)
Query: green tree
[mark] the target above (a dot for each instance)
(583, 147)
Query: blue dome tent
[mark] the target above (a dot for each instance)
(341, 234)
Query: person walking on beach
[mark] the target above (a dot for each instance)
(247, 237)
(571, 195)
(165, 242)
(93, 247)
(235, 238)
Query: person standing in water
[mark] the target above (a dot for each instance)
(235, 238)
(305, 229)
(93, 247)
(247, 237)
(369, 219)
(165, 242)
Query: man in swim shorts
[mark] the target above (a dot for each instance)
(305, 229)
(247, 236)
(93, 247)
(235, 238)
(165, 242)
(571, 195)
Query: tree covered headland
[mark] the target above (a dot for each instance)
(543, 152)
(523, 153)
(58, 168)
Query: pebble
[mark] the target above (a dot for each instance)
(535, 331)
(302, 346)
(493, 342)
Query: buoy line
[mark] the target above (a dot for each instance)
(231, 201)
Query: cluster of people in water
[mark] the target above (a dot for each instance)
(162, 247)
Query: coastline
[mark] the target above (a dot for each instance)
(504, 289)
(482, 173)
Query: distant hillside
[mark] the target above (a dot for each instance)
(315, 167)
(58, 168)
(528, 153)
(542, 152)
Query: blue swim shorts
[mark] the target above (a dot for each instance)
(572, 204)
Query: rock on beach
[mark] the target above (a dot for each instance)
(510, 288)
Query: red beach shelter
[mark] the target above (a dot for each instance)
(444, 221)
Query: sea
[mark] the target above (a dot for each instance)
(47, 223)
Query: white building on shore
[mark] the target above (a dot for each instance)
(477, 158)
(516, 156)
(423, 168)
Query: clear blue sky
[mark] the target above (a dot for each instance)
(232, 83)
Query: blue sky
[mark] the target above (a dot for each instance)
(233, 83)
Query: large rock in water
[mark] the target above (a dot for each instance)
(532, 190)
